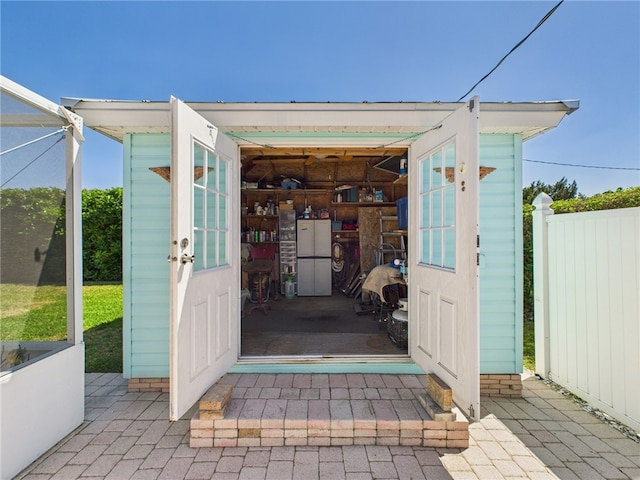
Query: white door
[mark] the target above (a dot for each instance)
(322, 277)
(306, 277)
(322, 238)
(205, 274)
(443, 274)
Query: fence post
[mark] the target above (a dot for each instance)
(542, 204)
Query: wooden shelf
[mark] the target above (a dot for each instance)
(401, 180)
(363, 204)
(284, 190)
(253, 215)
(344, 231)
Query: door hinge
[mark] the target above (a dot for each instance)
(471, 411)
(472, 105)
(478, 241)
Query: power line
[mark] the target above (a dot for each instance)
(544, 19)
(439, 124)
(582, 166)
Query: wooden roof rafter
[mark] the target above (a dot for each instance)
(254, 152)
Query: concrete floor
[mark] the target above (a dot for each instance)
(315, 326)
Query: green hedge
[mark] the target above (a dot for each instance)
(102, 234)
(33, 229)
(32, 236)
(626, 198)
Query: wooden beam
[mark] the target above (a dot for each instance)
(252, 152)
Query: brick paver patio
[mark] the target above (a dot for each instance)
(540, 436)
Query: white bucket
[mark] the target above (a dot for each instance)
(289, 289)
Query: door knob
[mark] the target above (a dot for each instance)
(187, 258)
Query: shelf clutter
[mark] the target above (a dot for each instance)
(347, 188)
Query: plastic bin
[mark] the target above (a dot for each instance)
(402, 205)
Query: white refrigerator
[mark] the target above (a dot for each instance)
(314, 257)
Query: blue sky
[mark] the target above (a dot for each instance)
(346, 51)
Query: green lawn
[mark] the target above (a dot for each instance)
(529, 350)
(31, 313)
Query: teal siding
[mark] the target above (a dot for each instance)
(146, 283)
(146, 220)
(501, 250)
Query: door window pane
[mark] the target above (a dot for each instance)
(222, 212)
(438, 207)
(212, 171)
(222, 248)
(436, 244)
(210, 208)
(426, 247)
(198, 207)
(450, 161)
(426, 176)
(222, 176)
(436, 169)
(426, 212)
(199, 164)
(449, 207)
(212, 248)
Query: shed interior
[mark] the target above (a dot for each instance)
(357, 190)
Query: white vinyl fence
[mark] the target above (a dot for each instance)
(587, 305)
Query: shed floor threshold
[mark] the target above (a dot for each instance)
(381, 364)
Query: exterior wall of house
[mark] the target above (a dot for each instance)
(146, 220)
(501, 255)
(146, 275)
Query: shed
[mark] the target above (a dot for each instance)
(182, 320)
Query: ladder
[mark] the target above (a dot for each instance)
(391, 240)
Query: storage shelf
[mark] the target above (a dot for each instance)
(363, 204)
(402, 180)
(285, 190)
(253, 215)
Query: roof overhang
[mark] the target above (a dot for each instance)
(317, 124)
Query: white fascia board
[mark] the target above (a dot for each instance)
(526, 119)
(116, 118)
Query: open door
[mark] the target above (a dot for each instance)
(204, 261)
(443, 272)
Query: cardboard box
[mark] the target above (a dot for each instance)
(285, 206)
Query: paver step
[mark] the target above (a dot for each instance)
(271, 416)
(216, 397)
